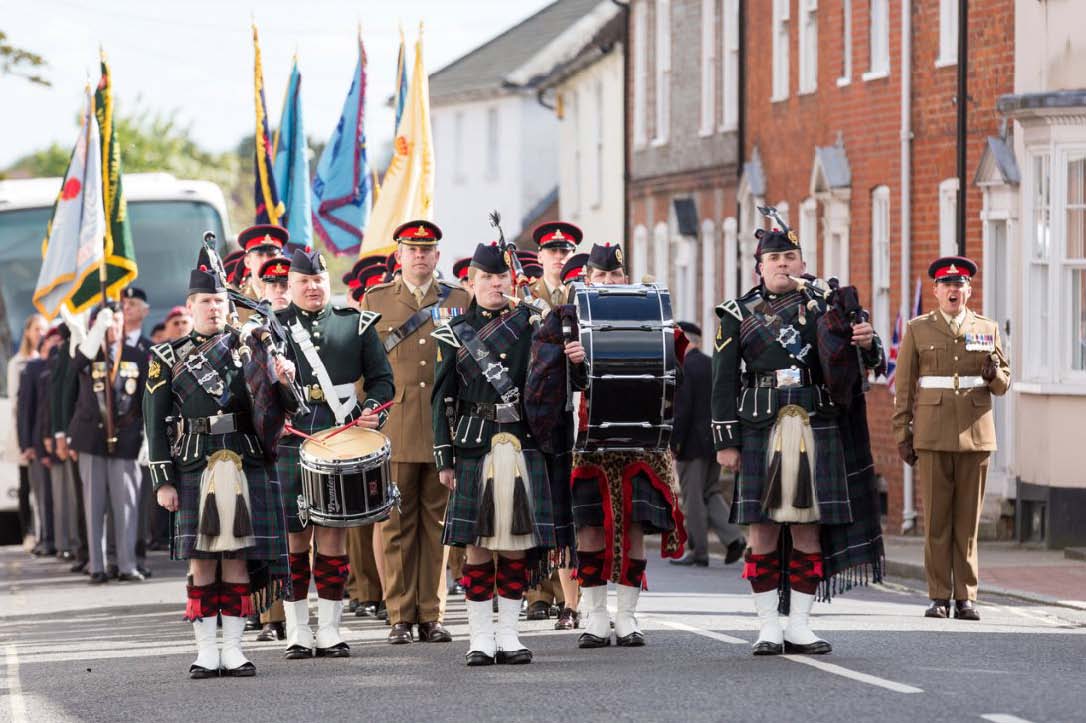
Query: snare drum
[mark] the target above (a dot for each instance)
(629, 338)
(347, 481)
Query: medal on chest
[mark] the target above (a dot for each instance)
(980, 342)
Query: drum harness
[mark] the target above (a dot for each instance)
(333, 394)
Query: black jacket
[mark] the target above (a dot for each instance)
(692, 437)
(33, 406)
(87, 428)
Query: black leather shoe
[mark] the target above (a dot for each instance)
(475, 658)
(198, 673)
(633, 640)
(688, 560)
(735, 550)
(98, 578)
(246, 670)
(588, 640)
(145, 571)
(767, 648)
(820, 647)
(272, 631)
(65, 555)
(298, 652)
(568, 619)
(515, 657)
(78, 567)
(366, 609)
(340, 650)
(456, 589)
(400, 634)
(938, 609)
(539, 610)
(353, 605)
(130, 577)
(113, 571)
(434, 632)
(966, 610)
(381, 612)
(252, 623)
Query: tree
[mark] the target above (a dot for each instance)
(16, 61)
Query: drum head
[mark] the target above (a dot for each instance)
(351, 444)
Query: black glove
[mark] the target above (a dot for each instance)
(907, 453)
(989, 369)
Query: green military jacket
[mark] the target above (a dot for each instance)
(459, 382)
(350, 349)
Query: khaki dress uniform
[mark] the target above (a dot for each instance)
(944, 408)
(414, 555)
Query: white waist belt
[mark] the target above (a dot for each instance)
(954, 382)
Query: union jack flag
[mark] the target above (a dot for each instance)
(899, 333)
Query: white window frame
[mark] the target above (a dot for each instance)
(661, 253)
(878, 40)
(808, 46)
(708, 67)
(684, 295)
(731, 254)
(597, 143)
(880, 261)
(708, 280)
(729, 74)
(640, 253)
(640, 72)
(576, 175)
(846, 44)
(808, 233)
(836, 231)
(493, 143)
(948, 34)
(948, 217)
(751, 220)
(663, 72)
(782, 12)
(459, 171)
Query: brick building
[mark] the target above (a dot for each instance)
(682, 112)
(850, 118)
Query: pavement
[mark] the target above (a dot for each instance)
(72, 652)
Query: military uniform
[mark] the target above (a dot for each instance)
(109, 472)
(771, 401)
(943, 410)
(332, 349)
(502, 499)
(414, 554)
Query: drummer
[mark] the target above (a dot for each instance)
(333, 348)
(646, 482)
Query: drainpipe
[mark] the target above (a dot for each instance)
(626, 145)
(741, 132)
(963, 107)
(908, 515)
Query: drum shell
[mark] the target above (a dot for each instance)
(347, 493)
(629, 337)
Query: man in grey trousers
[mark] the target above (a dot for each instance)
(699, 473)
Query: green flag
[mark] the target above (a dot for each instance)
(120, 252)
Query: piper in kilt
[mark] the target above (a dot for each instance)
(212, 401)
(333, 348)
(501, 499)
(777, 424)
(618, 498)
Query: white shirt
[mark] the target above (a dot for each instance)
(132, 338)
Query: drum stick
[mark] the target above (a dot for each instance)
(291, 430)
(353, 422)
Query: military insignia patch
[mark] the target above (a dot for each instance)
(792, 237)
(154, 370)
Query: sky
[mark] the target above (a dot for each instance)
(195, 57)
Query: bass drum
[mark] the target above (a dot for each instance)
(629, 338)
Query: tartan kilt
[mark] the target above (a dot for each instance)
(266, 513)
(288, 468)
(463, 510)
(648, 505)
(559, 469)
(831, 481)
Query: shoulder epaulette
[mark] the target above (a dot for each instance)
(449, 286)
(446, 334)
(731, 306)
(366, 319)
(379, 287)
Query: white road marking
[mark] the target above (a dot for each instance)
(1003, 718)
(14, 686)
(704, 633)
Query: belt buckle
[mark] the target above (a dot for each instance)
(506, 413)
(215, 424)
(789, 377)
(316, 394)
(957, 387)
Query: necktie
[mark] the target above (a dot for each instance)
(418, 296)
(556, 297)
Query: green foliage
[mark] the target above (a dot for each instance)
(16, 61)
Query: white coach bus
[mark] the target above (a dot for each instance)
(169, 217)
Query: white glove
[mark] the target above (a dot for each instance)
(143, 458)
(75, 326)
(92, 344)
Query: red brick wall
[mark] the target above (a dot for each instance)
(867, 117)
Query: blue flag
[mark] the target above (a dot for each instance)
(401, 80)
(342, 191)
(290, 165)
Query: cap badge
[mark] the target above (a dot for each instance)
(558, 236)
(420, 232)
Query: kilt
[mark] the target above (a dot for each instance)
(647, 504)
(463, 510)
(831, 481)
(266, 512)
(288, 468)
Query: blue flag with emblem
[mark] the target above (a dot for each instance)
(290, 165)
(342, 190)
